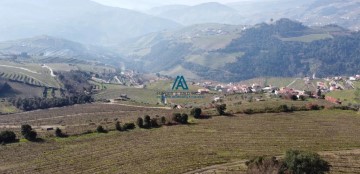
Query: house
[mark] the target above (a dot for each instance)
(203, 91)
(352, 78)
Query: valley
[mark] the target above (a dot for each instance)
(103, 86)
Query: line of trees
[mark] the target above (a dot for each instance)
(29, 104)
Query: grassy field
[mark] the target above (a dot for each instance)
(308, 38)
(6, 108)
(178, 149)
(29, 73)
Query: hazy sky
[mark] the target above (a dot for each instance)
(146, 4)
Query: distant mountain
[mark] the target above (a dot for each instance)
(44, 47)
(81, 20)
(211, 12)
(228, 53)
(345, 13)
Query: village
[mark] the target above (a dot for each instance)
(320, 87)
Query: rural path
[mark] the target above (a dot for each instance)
(51, 70)
(16, 67)
(293, 82)
(225, 166)
(112, 102)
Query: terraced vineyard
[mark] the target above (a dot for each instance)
(178, 149)
(32, 74)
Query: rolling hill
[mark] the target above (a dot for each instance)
(49, 49)
(82, 21)
(228, 53)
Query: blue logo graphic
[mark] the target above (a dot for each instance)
(180, 82)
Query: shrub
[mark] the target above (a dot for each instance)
(176, 117)
(196, 112)
(304, 162)
(249, 111)
(118, 126)
(28, 133)
(221, 109)
(154, 122)
(59, 133)
(7, 137)
(294, 97)
(163, 120)
(302, 98)
(283, 108)
(184, 118)
(128, 126)
(147, 122)
(100, 129)
(312, 106)
(140, 122)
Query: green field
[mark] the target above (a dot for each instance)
(308, 38)
(29, 73)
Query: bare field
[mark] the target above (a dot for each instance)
(178, 149)
(77, 119)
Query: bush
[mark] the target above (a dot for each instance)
(154, 122)
(163, 120)
(196, 112)
(221, 109)
(28, 133)
(176, 117)
(7, 137)
(304, 162)
(147, 122)
(140, 122)
(100, 129)
(180, 118)
(118, 126)
(128, 126)
(59, 133)
(294, 97)
(184, 118)
(283, 108)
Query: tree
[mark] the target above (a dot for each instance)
(128, 126)
(304, 162)
(28, 133)
(118, 126)
(163, 120)
(140, 122)
(184, 118)
(100, 129)
(59, 133)
(147, 122)
(196, 112)
(176, 117)
(7, 137)
(154, 123)
(221, 109)
(294, 97)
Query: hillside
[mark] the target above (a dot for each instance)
(312, 12)
(235, 53)
(46, 47)
(82, 20)
(210, 12)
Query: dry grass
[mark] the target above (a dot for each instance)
(177, 149)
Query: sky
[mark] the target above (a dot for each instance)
(147, 4)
